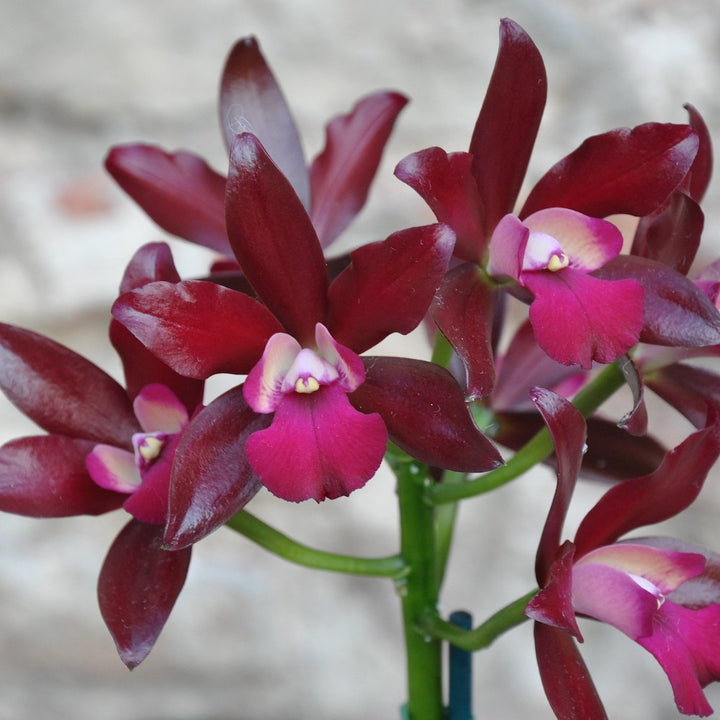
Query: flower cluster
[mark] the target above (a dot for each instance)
(312, 415)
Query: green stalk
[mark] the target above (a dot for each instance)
(589, 399)
(483, 635)
(281, 545)
(418, 591)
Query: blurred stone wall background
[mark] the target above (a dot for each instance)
(252, 637)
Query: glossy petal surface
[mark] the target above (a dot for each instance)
(507, 125)
(274, 240)
(388, 285)
(444, 181)
(251, 101)
(181, 322)
(138, 586)
(629, 171)
(179, 191)
(62, 391)
(211, 477)
(425, 413)
(318, 446)
(340, 176)
(45, 476)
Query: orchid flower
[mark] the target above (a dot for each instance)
(186, 197)
(105, 447)
(577, 317)
(313, 418)
(661, 593)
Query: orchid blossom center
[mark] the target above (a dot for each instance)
(544, 252)
(147, 447)
(287, 368)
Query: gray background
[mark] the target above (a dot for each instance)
(253, 637)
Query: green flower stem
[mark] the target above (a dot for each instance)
(445, 517)
(431, 624)
(589, 399)
(418, 590)
(281, 545)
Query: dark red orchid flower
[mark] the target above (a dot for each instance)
(312, 419)
(185, 197)
(105, 447)
(660, 592)
(552, 248)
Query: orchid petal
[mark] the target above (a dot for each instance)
(507, 125)
(654, 497)
(181, 324)
(671, 235)
(579, 319)
(523, 366)
(388, 286)
(464, 309)
(444, 181)
(340, 176)
(587, 241)
(507, 248)
(62, 391)
(113, 469)
(685, 644)
(46, 476)
(274, 240)
(318, 446)
(624, 171)
(635, 421)
(565, 677)
(349, 366)
(158, 410)
(263, 388)
(677, 312)
(149, 503)
(425, 413)
(698, 178)
(666, 569)
(553, 605)
(251, 101)
(613, 597)
(151, 262)
(179, 191)
(137, 589)
(568, 432)
(211, 478)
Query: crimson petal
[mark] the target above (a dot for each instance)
(425, 413)
(45, 476)
(211, 477)
(654, 497)
(198, 328)
(568, 432)
(671, 235)
(445, 183)
(698, 178)
(507, 125)
(630, 171)
(464, 309)
(179, 191)
(340, 176)
(251, 101)
(388, 285)
(137, 589)
(150, 263)
(274, 240)
(565, 677)
(677, 312)
(62, 391)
